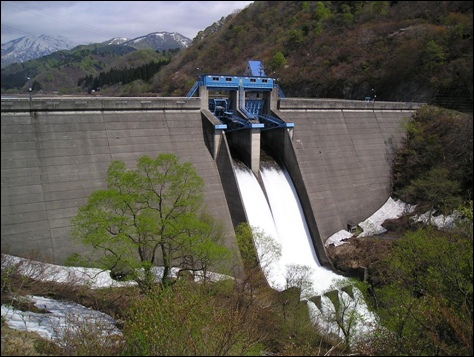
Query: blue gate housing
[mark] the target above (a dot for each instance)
(253, 92)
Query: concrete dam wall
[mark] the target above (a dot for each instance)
(56, 151)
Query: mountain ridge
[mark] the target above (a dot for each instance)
(32, 47)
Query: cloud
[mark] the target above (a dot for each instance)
(98, 21)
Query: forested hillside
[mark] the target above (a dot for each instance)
(434, 164)
(399, 51)
(86, 68)
(417, 51)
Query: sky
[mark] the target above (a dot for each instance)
(97, 21)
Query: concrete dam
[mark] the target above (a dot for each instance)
(56, 152)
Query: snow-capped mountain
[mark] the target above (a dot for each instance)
(116, 41)
(160, 41)
(30, 47)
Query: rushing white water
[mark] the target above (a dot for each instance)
(285, 248)
(282, 221)
(260, 217)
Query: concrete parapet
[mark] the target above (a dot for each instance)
(99, 103)
(321, 104)
(212, 129)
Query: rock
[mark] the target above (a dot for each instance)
(362, 258)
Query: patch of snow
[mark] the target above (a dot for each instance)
(390, 210)
(58, 318)
(439, 221)
(373, 225)
(339, 238)
(63, 317)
